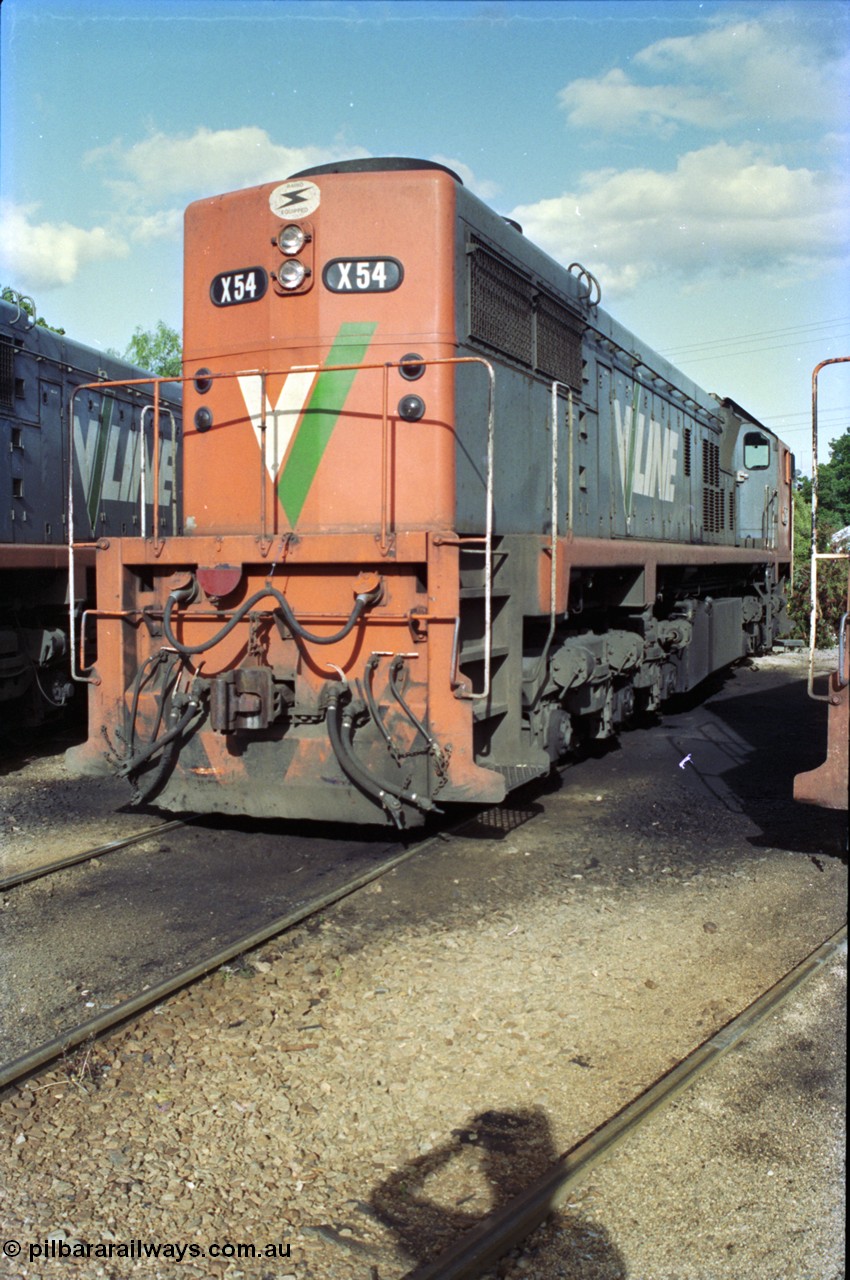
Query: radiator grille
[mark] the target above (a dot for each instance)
(7, 374)
(508, 313)
(713, 507)
(558, 334)
(500, 310)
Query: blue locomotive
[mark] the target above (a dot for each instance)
(94, 466)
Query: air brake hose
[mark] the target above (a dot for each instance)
(369, 694)
(361, 602)
(154, 780)
(129, 766)
(395, 666)
(340, 727)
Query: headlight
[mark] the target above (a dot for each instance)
(292, 239)
(291, 274)
(411, 408)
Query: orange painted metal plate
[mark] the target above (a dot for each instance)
(315, 445)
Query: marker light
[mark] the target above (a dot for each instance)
(411, 408)
(292, 274)
(292, 239)
(411, 366)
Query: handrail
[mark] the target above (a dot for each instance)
(264, 374)
(816, 555)
(540, 666)
(101, 385)
(143, 471)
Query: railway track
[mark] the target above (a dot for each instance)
(508, 1227)
(48, 1051)
(612, 839)
(88, 855)
(502, 818)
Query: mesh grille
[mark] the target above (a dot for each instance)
(500, 306)
(559, 335)
(7, 374)
(713, 507)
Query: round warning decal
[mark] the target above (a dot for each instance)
(295, 199)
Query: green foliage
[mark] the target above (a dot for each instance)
(833, 514)
(832, 576)
(157, 350)
(8, 294)
(834, 484)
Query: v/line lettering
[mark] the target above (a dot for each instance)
(109, 461)
(648, 455)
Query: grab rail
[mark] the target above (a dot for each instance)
(817, 556)
(101, 386)
(265, 540)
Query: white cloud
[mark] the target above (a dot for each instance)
(480, 186)
(722, 210)
(778, 68)
(209, 162)
(615, 103)
(44, 255)
(166, 224)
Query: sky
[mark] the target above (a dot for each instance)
(693, 154)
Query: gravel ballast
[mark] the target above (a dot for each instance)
(366, 1088)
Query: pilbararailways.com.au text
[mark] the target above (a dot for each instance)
(67, 1250)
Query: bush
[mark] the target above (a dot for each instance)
(832, 577)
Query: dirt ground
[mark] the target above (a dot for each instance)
(363, 1090)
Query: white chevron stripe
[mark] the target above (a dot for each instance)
(282, 419)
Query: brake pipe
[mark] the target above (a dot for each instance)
(144, 753)
(181, 594)
(395, 666)
(369, 695)
(340, 726)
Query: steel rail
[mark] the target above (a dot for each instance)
(505, 1228)
(48, 868)
(52, 1049)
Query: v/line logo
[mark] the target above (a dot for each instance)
(648, 454)
(300, 424)
(108, 454)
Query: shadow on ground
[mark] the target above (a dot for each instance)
(437, 1198)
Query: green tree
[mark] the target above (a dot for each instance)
(832, 574)
(8, 294)
(157, 350)
(834, 483)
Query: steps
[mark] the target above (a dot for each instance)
(500, 740)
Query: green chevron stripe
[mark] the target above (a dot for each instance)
(320, 417)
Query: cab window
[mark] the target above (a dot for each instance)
(756, 451)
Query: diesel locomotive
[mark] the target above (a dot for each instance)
(444, 518)
(90, 470)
